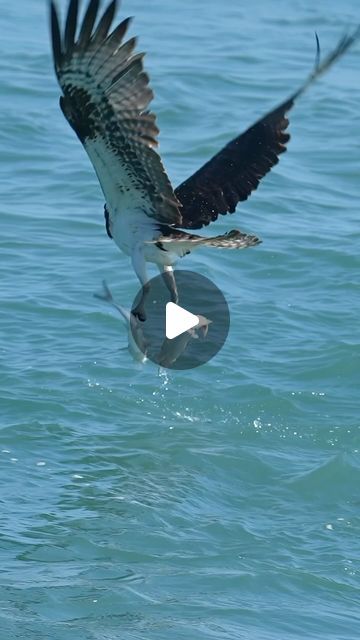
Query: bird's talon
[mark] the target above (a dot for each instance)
(140, 315)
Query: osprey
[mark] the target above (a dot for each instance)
(105, 99)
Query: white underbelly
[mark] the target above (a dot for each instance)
(131, 229)
(154, 254)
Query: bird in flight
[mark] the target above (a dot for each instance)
(105, 98)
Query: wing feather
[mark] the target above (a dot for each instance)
(88, 24)
(233, 173)
(106, 95)
(104, 24)
(70, 25)
(55, 37)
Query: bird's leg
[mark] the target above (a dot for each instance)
(169, 279)
(139, 264)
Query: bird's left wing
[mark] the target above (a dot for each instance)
(105, 98)
(233, 173)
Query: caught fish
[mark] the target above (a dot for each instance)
(137, 342)
(172, 349)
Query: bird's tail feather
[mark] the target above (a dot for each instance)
(231, 240)
(234, 239)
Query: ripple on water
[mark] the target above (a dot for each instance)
(147, 505)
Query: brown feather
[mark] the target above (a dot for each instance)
(106, 95)
(233, 173)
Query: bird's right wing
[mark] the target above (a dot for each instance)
(233, 173)
(105, 98)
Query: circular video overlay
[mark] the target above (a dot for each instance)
(183, 334)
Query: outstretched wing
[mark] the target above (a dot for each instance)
(105, 98)
(233, 173)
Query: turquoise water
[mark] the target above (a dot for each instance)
(222, 502)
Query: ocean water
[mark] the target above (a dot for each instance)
(221, 502)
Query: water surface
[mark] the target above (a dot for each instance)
(221, 502)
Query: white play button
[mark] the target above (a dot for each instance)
(178, 320)
(168, 335)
